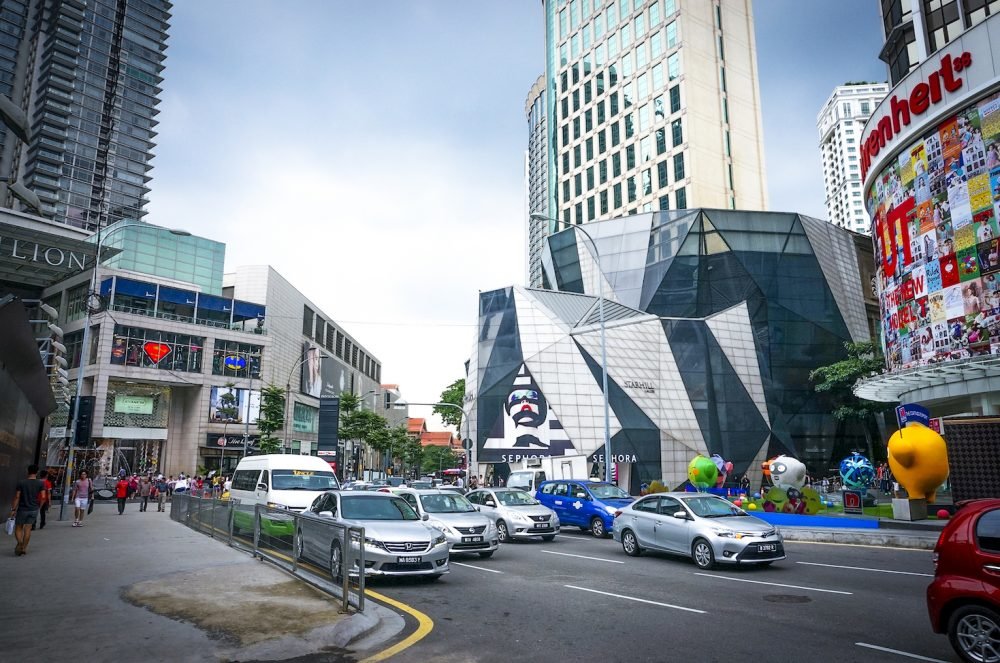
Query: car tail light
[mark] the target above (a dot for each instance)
(937, 558)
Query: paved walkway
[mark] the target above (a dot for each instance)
(138, 586)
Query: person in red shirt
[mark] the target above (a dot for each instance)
(47, 500)
(121, 492)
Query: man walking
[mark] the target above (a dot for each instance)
(161, 493)
(28, 498)
(121, 494)
(43, 476)
(83, 492)
(145, 486)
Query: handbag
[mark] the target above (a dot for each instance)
(10, 526)
(90, 498)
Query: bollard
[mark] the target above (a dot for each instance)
(256, 530)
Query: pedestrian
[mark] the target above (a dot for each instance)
(28, 498)
(161, 493)
(83, 492)
(145, 487)
(745, 483)
(121, 493)
(43, 476)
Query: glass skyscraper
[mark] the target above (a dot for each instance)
(88, 76)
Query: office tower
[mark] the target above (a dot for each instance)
(650, 105)
(535, 162)
(840, 123)
(914, 29)
(88, 76)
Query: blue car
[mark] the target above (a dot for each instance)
(586, 504)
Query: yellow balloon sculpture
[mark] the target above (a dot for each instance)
(918, 459)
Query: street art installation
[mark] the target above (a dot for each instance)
(918, 459)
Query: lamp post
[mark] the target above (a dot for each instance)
(288, 392)
(85, 344)
(604, 343)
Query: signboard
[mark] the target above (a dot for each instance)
(235, 362)
(133, 404)
(329, 428)
(247, 404)
(56, 432)
(935, 425)
(853, 502)
(321, 377)
(231, 441)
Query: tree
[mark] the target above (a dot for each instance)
(436, 458)
(398, 439)
(271, 418)
(411, 454)
(454, 394)
(228, 411)
(864, 359)
(362, 426)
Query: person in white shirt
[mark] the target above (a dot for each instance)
(460, 483)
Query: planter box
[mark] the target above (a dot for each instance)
(906, 509)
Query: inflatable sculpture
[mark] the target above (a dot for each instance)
(725, 468)
(857, 472)
(702, 472)
(918, 459)
(787, 472)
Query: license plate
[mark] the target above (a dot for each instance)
(408, 560)
(472, 539)
(541, 525)
(767, 547)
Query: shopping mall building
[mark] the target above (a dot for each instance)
(713, 320)
(931, 162)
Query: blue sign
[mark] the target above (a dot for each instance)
(235, 362)
(911, 412)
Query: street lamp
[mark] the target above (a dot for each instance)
(85, 344)
(604, 343)
(288, 392)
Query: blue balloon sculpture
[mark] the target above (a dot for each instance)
(857, 471)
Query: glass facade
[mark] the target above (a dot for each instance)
(238, 360)
(151, 348)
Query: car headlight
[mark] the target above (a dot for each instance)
(444, 528)
(275, 505)
(611, 509)
(521, 517)
(725, 533)
(374, 544)
(439, 539)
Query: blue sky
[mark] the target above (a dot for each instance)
(375, 157)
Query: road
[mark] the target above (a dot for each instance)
(580, 598)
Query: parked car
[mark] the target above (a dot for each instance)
(964, 598)
(586, 504)
(516, 513)
(704, 527)
(282, 481)
(467, 530)
(397, 541)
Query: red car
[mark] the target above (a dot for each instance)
(964, 598)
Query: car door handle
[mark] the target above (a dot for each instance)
(992, 567)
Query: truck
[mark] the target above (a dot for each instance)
(530, 472)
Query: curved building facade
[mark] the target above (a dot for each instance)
(931, 162)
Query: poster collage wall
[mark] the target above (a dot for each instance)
(935, 212)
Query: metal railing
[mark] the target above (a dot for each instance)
(274, 534)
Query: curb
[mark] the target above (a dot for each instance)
(870, 537)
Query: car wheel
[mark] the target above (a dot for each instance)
(336, 562)
(548, 537)
(298, 545)
(630, 544)
(974, 632)
(597, 527)
(502, 532)
(487, 555)
(702, 554)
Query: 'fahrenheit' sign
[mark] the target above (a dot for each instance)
(921, 97)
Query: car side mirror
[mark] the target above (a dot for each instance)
(425, 517)
(681, 515)
(326, 514)
(262, 486)
(476, 508)
(490, 503)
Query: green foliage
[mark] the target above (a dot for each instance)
(454, 394)
(227, 408)
(272, 418)
(863, 360)
(436, 458)
(411, 454)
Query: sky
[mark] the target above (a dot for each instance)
(375, 157)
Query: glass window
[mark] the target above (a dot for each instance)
(307, 321)
(150, 348)
(647, 182)
(631, 189)
(613, 45)
(615, 134)
(640, 56)
(590, 178)
(614, 104)
(602, 142)
(600, 55)
(591, 212)
(240, 360)
(654, 14)
(677, 132)
(661, 174)
(612, 16)
(655, 46)
(673, 66)
(626, 35)
(645, 147)
(640, 26)
(574, 14)
(657, 77)
(599, 26)
(618, 195)
(671, 34)
(602, 171)
(578, 184)
(681, 198)
(626, 65)
(642, 88)
(616, 164)
(629, 126)
(675, 99)
(664, 202)
(647, 505)
(588, 121)
(645, 119)
(574, 46)
(661, 141)
(678, 166)
(563, 23)
(628, 93)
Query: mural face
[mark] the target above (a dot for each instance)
(935, 211)
(526, 427)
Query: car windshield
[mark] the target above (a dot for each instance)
(713, 507)
(420, 484)
(376, 508)
(515, 498)
(303, 480)
(446, 503)
(605, 491)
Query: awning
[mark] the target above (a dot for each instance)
(213, 303)
(31, 257)
(135, 288)
(178, 296)
(962, 375)
(247, 311)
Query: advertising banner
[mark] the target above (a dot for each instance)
(247, 404)
(321, 377)
(133, 404)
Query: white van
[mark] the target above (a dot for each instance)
(283, 481)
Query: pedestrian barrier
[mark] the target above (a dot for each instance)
(273, 534)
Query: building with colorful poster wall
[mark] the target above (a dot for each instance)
(931, 163)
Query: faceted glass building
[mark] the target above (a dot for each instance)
(713, 320)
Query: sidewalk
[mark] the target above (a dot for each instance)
(143, 587)
(882, 537)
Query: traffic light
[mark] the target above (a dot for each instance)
(83, 420)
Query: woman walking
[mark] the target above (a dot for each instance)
(83, 492)
(121, 493)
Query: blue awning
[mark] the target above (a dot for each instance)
(135, 288)
(177, 296)
(106, 287)
(247, 311)
(213, 303)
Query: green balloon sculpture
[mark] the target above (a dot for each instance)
(702, 472)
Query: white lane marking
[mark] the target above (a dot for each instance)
(774, 584)
(857, 545)
(901, 653)
(598, 559)
(479, 568)
(862, 568)
(632, 598)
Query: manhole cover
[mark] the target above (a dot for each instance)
(786, 598)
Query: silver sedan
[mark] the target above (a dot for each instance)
(517, 514)
(397, 541)
(704, 527)
(467, 530)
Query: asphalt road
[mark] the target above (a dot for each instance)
(582, 599)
